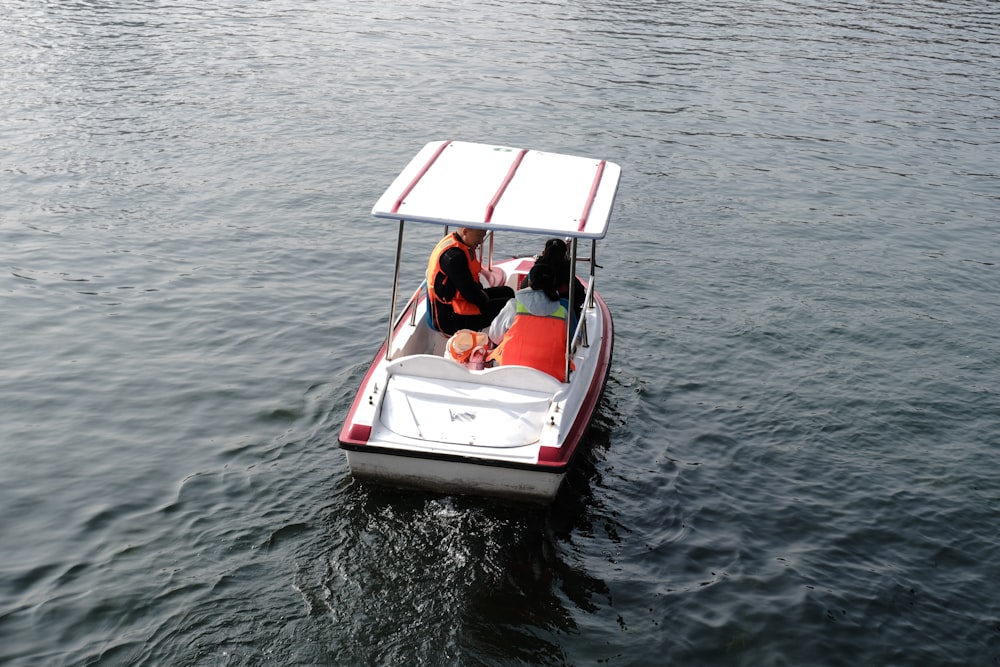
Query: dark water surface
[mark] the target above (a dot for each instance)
(795, 460)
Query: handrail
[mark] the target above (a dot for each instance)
(421, 292)
(580, 334)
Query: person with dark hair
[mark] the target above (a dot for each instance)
(531, 328)
(456, 298)
(554, 255)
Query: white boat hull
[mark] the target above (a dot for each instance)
(470, 476)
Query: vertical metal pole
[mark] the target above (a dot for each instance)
(584, 336)
(593, 270)
(489, 261)
(395, 285)
(569, 309)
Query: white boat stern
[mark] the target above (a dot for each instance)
(463, 413)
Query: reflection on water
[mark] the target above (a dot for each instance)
(453, 580)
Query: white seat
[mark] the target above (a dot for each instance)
(515, 377)
(438, 400)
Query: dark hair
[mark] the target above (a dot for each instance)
(555, 251)
(543, 277)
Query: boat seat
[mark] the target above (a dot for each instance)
(435, 399)
(441, 368)
(428, 315)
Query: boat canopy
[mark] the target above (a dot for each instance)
(466, 184)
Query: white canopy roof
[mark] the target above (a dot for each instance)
(497, 187)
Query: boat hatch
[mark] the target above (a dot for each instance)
(442, 401)
(463, 413)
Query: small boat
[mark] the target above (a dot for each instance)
(423, 420)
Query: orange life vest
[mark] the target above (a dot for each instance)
(459, 304)
(538, 341)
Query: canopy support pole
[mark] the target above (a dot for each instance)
(569, 310)
(395, 287)
(593, 269)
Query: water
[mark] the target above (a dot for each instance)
(795, 459)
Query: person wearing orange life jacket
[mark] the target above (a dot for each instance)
(531, 329)
(456, 298)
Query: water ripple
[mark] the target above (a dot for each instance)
(792, 463)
